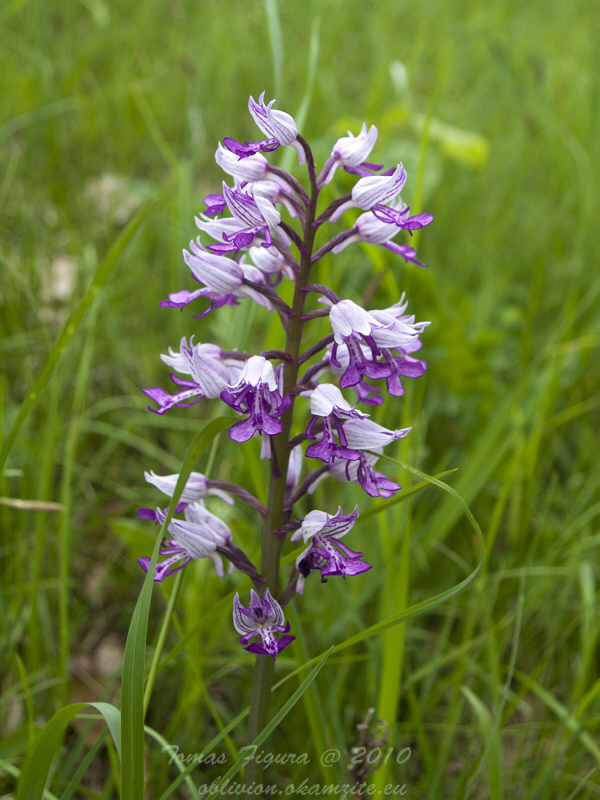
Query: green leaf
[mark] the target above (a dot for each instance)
(36, 766)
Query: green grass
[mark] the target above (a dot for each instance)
(104, 107)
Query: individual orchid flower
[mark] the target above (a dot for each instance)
(367, 439)
(370, 229)
(256, 213)
(197, 487)
(218, 228)
(329, 405)
(349, 151)
(365, 392)
(352, 326)
(373, 190)
(399, 337)
(278, 193)
(256, 393)
(381, 331)
(326, 553)
(263, 617)
(209, 376)
(224, 279)
(374, 483)
(276, 124)
(198, 536)
(365, 435)
(219, 274)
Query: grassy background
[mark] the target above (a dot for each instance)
(494, 109)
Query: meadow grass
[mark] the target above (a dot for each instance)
(107, 111)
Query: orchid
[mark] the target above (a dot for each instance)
(263, 618)
(326, 553)
(349, 151)
(263, 226)
(256, 393)
(198, 536)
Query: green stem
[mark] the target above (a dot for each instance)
(275, 518)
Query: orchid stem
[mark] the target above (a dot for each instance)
(276, 515)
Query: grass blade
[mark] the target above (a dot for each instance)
(39, 758)
(276, 42)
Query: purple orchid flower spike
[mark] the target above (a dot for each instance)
(328, 404)
(198, 536)
(373, 190)
(256, 393)
(261, 227)
(326, 553)
(263, 617)
(349, 151)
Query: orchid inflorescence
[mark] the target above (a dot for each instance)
(253, 251)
